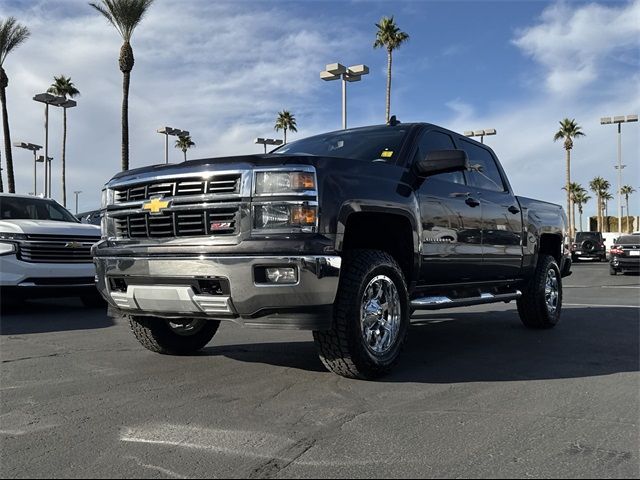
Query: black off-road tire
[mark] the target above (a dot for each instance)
(342, 349)
(612, 271)
(532, 306)
(155, 334)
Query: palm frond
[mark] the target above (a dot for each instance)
(124, 15)
(12, 35)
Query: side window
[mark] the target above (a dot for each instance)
(484, 171)
(435, 140)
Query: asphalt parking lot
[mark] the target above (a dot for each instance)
(475, 395)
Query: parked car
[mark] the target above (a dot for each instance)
(44, 250)
(344, 234)
(588, 245)
(92, 217)
(625, 255)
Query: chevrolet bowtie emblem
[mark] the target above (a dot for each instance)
(155, 205)
(72, 245)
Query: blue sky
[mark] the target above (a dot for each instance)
(223, 69)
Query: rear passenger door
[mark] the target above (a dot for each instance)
(451, 243)
(501, 216)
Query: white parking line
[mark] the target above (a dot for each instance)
(620, 286)
(599, 306)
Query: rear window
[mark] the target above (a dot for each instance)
(588, 236)
(628, 239)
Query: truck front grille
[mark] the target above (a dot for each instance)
(56, 249)
(227, 184)
(187, 223)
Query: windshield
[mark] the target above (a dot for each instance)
(372, 144)
(20, 208)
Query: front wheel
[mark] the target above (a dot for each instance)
(541, 303)
(371, 317)
(173, 336)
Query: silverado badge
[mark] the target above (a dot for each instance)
(155, 205)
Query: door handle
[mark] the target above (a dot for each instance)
(472, 202)
(513, 209)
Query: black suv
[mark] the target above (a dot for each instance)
(589, 245)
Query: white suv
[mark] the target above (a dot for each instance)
(44, 250)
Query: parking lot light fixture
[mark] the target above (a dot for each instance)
(56, 101)
(619, 120)
(337, 71)
(480, 133)
(33, 148)
(267, 141)
(166, 131)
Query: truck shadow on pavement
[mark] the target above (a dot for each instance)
(489, 346)
(55, 315)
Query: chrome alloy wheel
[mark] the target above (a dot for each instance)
(186, 328)
(551, 291)
(380, 315)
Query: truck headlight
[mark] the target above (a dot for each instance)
(284, 183)
(7, 245)
(108, 197)
(6, 248)
(285, 217)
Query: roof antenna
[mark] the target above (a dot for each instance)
(393, 121)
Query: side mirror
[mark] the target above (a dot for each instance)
(443, 161)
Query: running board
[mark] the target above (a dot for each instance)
(439, 302)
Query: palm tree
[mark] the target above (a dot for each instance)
(390, 37)
(125, 16)
(185, 143)
(574, 188)
(64, 87)
(581, 197)
(606, 196)
(286, 121)
(12, 35)
(599, 186)
(626, 191)
(569, 130)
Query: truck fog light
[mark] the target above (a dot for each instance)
(281, 275)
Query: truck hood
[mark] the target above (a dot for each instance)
(48, 227)
(242, 162)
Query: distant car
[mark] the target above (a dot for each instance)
(44, 251)
(588, 245)
(92, 217)
(625, 255)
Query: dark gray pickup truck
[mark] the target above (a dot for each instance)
(346, 234)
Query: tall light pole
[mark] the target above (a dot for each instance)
(166, 131)
(619, 120)
(47, 167)
(34, 148)
(480, 133)
(336, 71)
(76, 193)
(48, 99)
(267, 141)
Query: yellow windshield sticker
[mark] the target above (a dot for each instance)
(387, 154)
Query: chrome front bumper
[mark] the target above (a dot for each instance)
(159, 286)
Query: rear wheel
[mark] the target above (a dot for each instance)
(371, 317)
(173, 336)
(541, 303)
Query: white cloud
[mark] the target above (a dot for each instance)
(572, 43)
